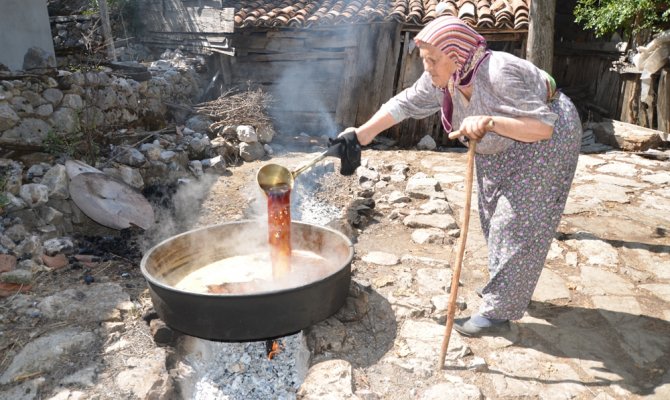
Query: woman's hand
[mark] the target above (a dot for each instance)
(347, 147)
(475, 127)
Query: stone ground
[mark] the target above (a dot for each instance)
(598, 326)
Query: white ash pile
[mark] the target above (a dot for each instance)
(247, 370)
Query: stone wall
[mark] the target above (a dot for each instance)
(33, 109)
(76, 32)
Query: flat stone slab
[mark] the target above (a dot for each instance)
(618, 181)
(551, 287)
(381, 258)
(595, 250)
(617, 168)
(625, 136)
(48, 352)
(662, 178)
(602, 192)
(660, 290)
(441, 221)
(453, 390)
(330, 379)
(418, 346)
(529, 373)
(596, 281)
(95, 302)
(646, 260)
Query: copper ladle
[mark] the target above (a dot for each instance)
(274, 175)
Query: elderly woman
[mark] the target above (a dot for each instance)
(529, 138)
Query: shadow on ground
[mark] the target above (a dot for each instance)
(632, 351)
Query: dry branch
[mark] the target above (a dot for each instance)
(237, 108)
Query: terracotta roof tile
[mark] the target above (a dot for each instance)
(501, 14)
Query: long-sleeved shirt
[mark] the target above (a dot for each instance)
(504, 85)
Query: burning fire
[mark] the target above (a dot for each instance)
(273, 348)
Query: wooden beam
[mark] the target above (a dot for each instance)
(336, 55)
(663, 102)
(540, 45)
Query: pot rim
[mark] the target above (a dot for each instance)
(153, 281)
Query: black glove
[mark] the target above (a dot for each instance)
(348, 150)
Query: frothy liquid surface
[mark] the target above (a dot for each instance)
(252, 273)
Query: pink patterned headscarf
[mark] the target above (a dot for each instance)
(457, 40)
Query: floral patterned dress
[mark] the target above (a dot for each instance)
(523, 187)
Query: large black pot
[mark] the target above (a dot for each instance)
(248, 316)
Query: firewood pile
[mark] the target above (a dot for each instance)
(236, 108)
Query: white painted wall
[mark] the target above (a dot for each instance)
(23, 24)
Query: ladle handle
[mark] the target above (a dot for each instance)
(333, 151)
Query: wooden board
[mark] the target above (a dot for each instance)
(307, 96)
(264, 72)
(663, 104)
(315, 55)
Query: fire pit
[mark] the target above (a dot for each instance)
(255, 306)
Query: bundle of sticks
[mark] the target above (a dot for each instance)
(237, 107)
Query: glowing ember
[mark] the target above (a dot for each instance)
(279, 229)
(273, 348)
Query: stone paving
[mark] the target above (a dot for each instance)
(599, 323)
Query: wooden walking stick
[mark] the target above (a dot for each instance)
(451, 308)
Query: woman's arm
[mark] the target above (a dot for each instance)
(417, 101)
(523, 129)
(379, 122)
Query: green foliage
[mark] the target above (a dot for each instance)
(79, 144)
(60, 144)
(632, 16)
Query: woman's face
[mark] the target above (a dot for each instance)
(440, 66)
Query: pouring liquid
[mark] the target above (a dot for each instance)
(279, 229)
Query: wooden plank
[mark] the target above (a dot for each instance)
(402, 63)
(594, 47)
(253, 41)
(648, 110)
(631, 97)
(324, 55)
(335, 39)
(326, 71)
(540, 41)
(285, 44)
(319, 38)
(607, 88)
(314, 123)
(346, 107)
(226, 69)
(663, 103)
(366, 58)
(413, 68)
(386, 51)
(311, 97)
